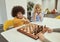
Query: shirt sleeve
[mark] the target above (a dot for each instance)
(56, 30)
(7, 24)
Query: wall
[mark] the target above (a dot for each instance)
(11, 3)
(3, 15)
(36, 1)
(58, 6)
(45, 3)
(6, 6)
(48, 4)
(0, 18)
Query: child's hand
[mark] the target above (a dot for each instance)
(45, 29)
(50, 30)
(41, 36)
(26, 21)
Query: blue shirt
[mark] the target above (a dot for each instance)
(38, 18)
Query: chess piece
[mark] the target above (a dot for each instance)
(31, 30)
(25, 29)
(44, 29)
(38, 29)
(21, 28)
(28, 31)
(33, 26)
(35, 30)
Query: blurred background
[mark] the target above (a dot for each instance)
(50, 6)
(6, 6)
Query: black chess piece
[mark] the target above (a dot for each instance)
(38, 29)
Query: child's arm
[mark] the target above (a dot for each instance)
(42, 38)
(41, 17)
(7, 24)
(54, 30)
(34, 17)
(26, 20)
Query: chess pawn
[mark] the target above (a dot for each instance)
(39, 29)
(28, 31)
(45, 26)
(21, 28)
(35, 31)
(34, 26)
(25, 29)
(45, 29)
(31, 30)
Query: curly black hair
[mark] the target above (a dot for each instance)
(17, 9)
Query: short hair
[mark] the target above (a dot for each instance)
(17, 9)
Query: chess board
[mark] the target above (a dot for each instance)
(31, 30)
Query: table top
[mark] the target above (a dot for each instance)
(13, 35)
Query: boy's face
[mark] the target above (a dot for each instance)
(20, 15)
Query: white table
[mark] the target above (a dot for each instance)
(14, 36)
